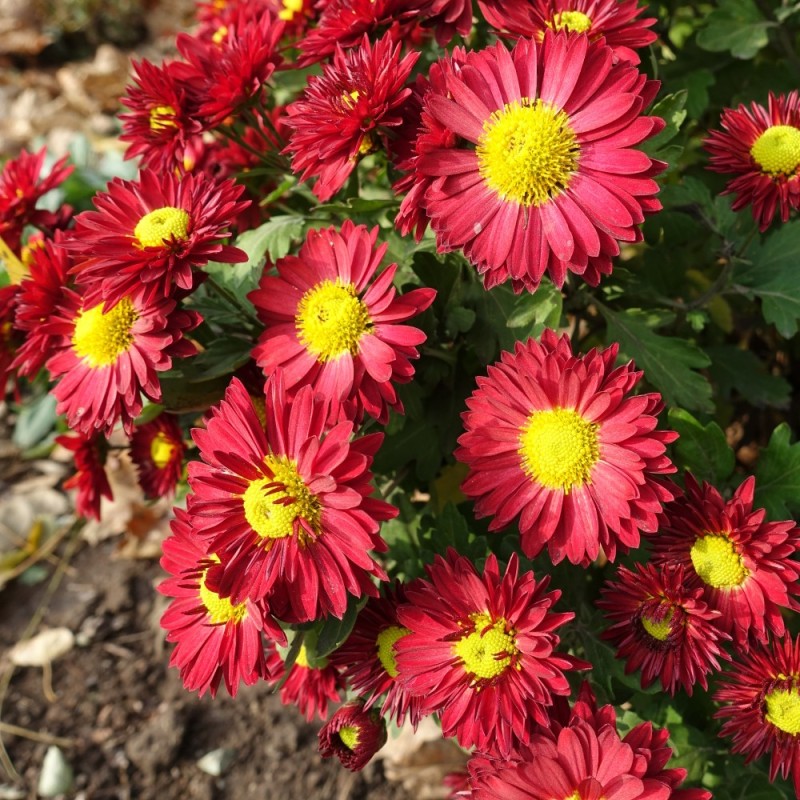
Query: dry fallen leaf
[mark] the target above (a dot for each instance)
(42, 649)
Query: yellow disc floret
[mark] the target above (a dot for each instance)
(717, 561)
(290, 8)
(573, 21)
(272, 504)
(349, 736)
(220, 609)
(783, 710)
(162, 117)
(777, 150)
(100, 339)
(161, 450)
(331, 319)
(161, 226)
(528, 152)
(658, 629)
(385, 645)
(487, 651)
(559, 448)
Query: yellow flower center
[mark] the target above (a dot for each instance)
(290, 8)
(559, 448)
(220, 609)
(161, 226)
(220, 34)
(349, 736)
(777, 150)
(487, 651)
(100, 339)
(161, 450)
(271, 505)
(162, 117)
(385, 644)
(527, 152)
(658, 629)
(574, 21)
(331, 319)
(783, 710)
(717, 561)
(302, 659)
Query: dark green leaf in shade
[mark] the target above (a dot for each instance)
(459, 320)
(533, 312)
(735, 369)
(778, 475)
(222, 357)
(702, 449)
(697, 83)
(736, 26)
(333, 631)
(671, 110)
(668, 362)
(689, 192)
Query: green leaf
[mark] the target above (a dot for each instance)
(697, 83)
(35, 420)
(533, 312)
(736, 26)
(689, 192)
(459, 320)
(734, 368)
(772, 276)
(778, 475)
(671, 110)
(703, 449)
(274, 238)
(222, 357)
(668, 362)
(334, 631)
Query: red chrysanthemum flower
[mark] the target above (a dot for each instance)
(9, 338)
(309, 688)
(90, 479)
(106, 359)
(353, 735)
(546, 178)
(287, 508)
(21, 188)
(163, 127)
(558, 439)
(744, 564)
(447, 18)
(761, 146)
(214, 638)
(614, 20)
(762, 711)
(40, 293)
(368, 657)
(346, 111)
(157, 449)
(147, 235)
(663, 627)
(481, 650)
(333, 325)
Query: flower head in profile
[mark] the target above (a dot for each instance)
(287, 507)
(663, 627)
(215, 639)
(105, 359)
(146, 236)
(90, 479)
(546, 177)
(761, 697)
(346, 112)
(744, 564)
(481, 651)
(332, 324)
(559, 441)
(353, 734)
(614, 20)
(157, 450)
(761, 147)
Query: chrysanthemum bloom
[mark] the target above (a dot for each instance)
(546, 178)
(332, 324)
(558, 440)
(106, 358)
(21, 188)
(744, 564)
(215, 639)
(157, 449)
(40, 292)
(615, 20)
(147, 235)
(90, 479)
(481, 650)
(663, 627)
(353, 735)
(761, 146)
(346, 111)
(163, 126)
(287, 509)
(447, 18)
(9, 338)
(309, 688)
(761, 694)
(368, 657)
(231, 71)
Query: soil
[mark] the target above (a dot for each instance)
(135, 732)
